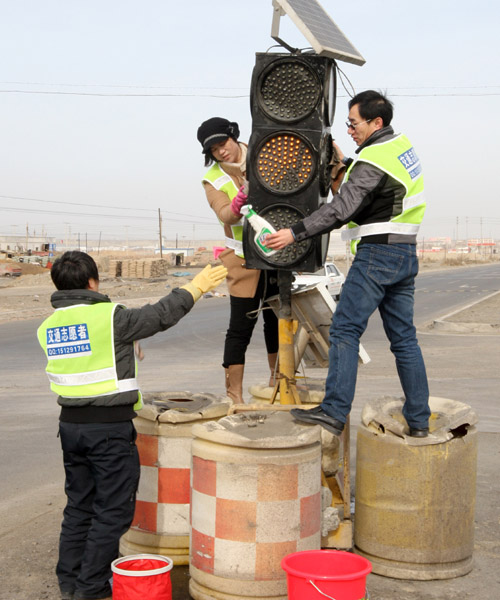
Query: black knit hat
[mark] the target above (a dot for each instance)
(216, 130)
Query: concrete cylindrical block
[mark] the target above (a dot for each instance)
(415, 497)
(256, 497)
(161, 519)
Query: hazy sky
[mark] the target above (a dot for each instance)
(101, 100)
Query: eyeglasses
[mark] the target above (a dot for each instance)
(353, 126)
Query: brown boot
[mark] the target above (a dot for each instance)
(234, 383)
(272, 359)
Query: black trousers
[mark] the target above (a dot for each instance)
(102, 474)
(243, 318)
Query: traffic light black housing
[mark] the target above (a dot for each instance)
(293, 104)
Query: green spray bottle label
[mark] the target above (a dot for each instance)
(261, 227)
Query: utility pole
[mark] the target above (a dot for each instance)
(86, 246)
(159, 223)
(27, 235)
(481, 230)
(99, 246)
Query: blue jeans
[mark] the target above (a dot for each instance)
(382, 276)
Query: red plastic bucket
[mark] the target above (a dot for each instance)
(319, 574)
(142, 576)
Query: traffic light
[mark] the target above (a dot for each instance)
(292, 102)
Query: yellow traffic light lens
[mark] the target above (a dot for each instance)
(285, 163)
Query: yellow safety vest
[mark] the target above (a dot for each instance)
(223, 182)
(398, 159)
(79, 344)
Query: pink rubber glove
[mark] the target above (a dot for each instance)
(239, 200)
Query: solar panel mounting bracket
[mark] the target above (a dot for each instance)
(278, 12)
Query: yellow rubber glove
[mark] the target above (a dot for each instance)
(205, 281)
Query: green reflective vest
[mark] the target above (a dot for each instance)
(398, 159)
(79, 344)
(223, 182)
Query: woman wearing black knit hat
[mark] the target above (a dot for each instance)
(224, 185)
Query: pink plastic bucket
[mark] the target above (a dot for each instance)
(320, 574)
(142, 576)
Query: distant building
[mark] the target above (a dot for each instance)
(23, 244)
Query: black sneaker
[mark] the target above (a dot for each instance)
(419, 432)
(317, 416)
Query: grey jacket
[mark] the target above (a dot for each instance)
(130, 325)
(368, 196)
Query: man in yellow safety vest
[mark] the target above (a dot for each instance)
(89, 343)
(382, 203)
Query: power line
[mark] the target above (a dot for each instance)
(111, 95)
(84, 214)
(238, 96)
(120, 208)
(183, 87)
(147, 87)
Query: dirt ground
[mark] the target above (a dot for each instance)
(486, 311)
(28, 296)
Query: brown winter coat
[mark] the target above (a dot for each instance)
(241, 282)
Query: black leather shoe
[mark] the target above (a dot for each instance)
(419, 433)
(317, 416)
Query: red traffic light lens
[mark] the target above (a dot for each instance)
(289, 90)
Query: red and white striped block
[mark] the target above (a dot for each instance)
(162, 504)
(246, 517)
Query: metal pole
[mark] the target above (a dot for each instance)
(161, 244)
(287, 382)
(481, 225)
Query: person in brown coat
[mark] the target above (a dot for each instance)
(224, 185)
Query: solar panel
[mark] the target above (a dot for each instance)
(318, 28)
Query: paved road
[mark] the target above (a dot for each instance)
(441, 292)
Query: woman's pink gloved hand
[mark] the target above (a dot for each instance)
(238, 201)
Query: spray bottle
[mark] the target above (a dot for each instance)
(261, 227)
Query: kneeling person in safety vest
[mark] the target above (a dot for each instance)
(381, 200)
(89, 342)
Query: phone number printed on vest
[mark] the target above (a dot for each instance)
(71, 340)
